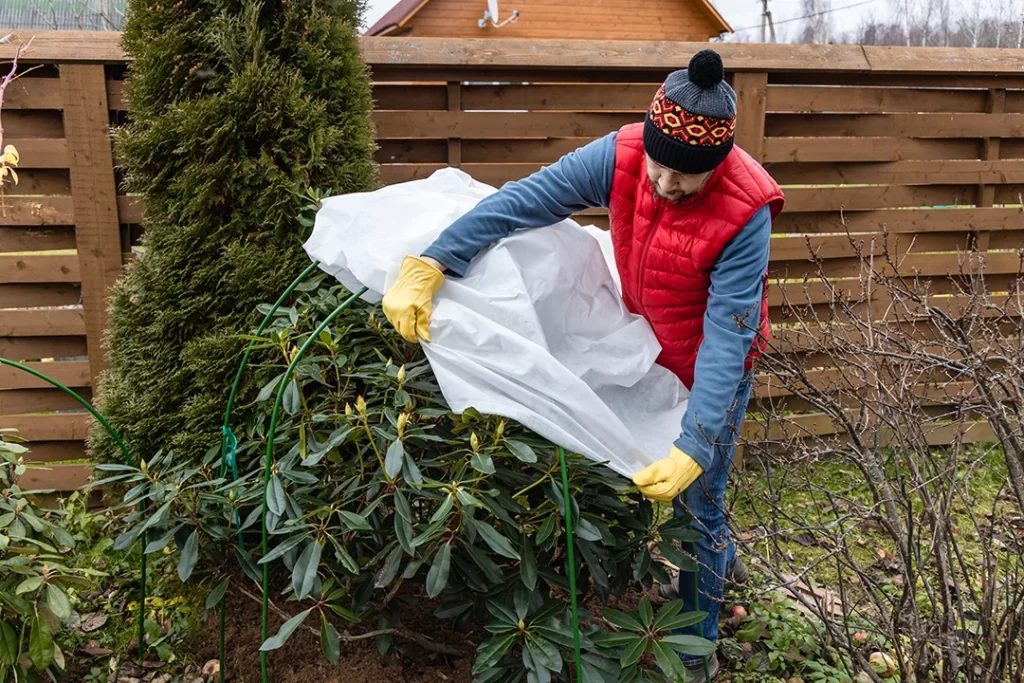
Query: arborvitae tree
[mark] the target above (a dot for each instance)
(235, 108)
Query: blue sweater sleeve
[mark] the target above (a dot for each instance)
(737, 280)
(579, 180)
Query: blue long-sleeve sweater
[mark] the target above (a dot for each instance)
(583, 179)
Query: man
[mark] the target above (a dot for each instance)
(690, 221)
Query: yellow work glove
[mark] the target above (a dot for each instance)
(667, 478)
(409, 302)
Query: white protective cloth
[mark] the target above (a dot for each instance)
(536, 332)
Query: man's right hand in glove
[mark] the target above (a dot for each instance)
(409, 302)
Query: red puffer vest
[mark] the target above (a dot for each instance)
(665, 251)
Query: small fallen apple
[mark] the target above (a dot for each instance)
(882, 664)
(860, 637)
(738, 611)
(795, 679)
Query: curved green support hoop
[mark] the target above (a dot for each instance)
(268, 462)
(228, 441)
(128, 460)
(570, 541)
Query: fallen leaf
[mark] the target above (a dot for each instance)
(871, 525)
(152, 665)
(93, 649)
(805, 539)
(211, 668)
(880, 552)
(93, 621)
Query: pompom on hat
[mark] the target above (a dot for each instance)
(691, 122)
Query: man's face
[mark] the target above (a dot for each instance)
(672, 185)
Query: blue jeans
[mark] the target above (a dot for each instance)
(704, 500)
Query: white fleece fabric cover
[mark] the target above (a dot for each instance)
(536, 332)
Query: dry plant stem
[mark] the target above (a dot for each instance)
(13, 75)
(910, 374)
(345, 637)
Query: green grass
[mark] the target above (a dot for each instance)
(798, 502)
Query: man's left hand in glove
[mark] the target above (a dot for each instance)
(667, 478)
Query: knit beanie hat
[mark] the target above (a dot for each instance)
(690, 125)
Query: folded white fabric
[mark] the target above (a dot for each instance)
(535, 332)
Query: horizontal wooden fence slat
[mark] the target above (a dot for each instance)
(33, 123)
(563, 97)
(32, 92)
(21, 295)
(41, 181)
(897, 80)
(56, 451)
(902, 220)
(900, 125)
(491, 174)
(41, 323)
(39, 152)
(797, 99)
(35, 239)
(406, 96)
(39, 268)
(63, 427)
(503, 124)
(31, 348)
(129, 209)
(91, 46)
(800, 199)
(1011, 148)
(32, 211)
(56, 477)
(18, 401)
(811, 292)
(839, 149)
(821, 425)
(951, 172)
(477, 151)
(73, 374)
(398, 73)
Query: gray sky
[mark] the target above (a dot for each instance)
(739, 13)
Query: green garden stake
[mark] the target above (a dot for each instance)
(268, 462)
(570, 541)
(229, 442)
(696, 605)
(128, 460)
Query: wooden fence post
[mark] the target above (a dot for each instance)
(97, 231)
(751, 107)
(455, 104)
(995, 103)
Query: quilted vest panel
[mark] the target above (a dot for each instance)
(665, 251)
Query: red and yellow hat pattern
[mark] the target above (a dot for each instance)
(691, 129)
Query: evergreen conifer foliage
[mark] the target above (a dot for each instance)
(235, 108)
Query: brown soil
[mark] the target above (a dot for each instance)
(301, 660)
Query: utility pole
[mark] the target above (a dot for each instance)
(766, 21)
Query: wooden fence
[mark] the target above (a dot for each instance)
(928, 143)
